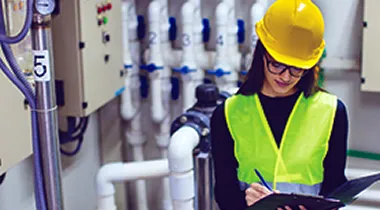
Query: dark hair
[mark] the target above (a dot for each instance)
(254, 80)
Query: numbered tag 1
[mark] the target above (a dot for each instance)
(41, 62)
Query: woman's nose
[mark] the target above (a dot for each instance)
(286, 76)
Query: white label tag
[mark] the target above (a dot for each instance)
(41, 62)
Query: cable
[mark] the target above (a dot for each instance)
(8, 53)
(70, 136)
(24, 31)
(39, 188)
(38, 175)
(75, 151)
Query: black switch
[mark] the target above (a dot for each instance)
(107, 37)
(106, 58)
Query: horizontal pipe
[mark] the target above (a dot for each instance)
(120, 172)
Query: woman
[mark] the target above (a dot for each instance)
(280, 122)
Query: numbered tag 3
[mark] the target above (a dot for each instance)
(41, 62)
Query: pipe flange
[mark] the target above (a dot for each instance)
(200, 122)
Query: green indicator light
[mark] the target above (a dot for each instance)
(105, 20)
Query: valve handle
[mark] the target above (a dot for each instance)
(151, 67)
(218, 72)
(184, 70)
(128, 66)
(243, 72)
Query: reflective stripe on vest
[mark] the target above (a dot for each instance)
(295, 166)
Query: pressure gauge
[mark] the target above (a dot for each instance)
(45, 7)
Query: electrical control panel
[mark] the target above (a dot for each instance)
(371, 46)
(88, 60)
(15, 126)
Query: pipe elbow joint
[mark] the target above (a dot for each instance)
(104, 179)
(181, 148)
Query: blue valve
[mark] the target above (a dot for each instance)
(241, 31)
(219, 72)
(128, 66)
(184, 70)
(206, 30)
(151, 67)
(172, 29)
(243, 72)
(140, 27)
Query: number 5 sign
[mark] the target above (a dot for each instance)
(41, 65)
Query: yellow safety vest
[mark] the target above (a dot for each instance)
(297, 164)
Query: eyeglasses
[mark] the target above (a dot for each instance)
(275, 67)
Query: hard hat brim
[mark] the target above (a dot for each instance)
(286, 59)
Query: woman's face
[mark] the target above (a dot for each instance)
(280, 79)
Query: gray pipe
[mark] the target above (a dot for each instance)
(47, 110)
(204, 180)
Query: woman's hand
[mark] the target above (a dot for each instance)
(255, 192)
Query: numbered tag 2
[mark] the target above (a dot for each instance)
(41, 62)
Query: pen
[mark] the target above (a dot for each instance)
(262, 180)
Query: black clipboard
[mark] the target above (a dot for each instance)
(340, 197)
(274, 201)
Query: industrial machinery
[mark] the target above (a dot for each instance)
(88, 57)
(16, 143)
(371, 31)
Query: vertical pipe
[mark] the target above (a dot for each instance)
(188, 56)
(142, 201)
(47, 109)
(203, 174)
(155, 57)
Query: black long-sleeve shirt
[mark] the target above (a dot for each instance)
(277, 110)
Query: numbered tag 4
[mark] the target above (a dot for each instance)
(41, 61)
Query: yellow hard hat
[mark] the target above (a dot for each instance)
(292, 32)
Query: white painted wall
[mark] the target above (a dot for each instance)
(78, 178)
(343, 37)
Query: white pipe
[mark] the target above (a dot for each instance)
(223, 60)
(162, 141)
(181, 167)
(188, 56)
(141, 192)
(131, 96)
(156, 108)
(222, 33)
(120, 172)
(127, 109)
(257, 13)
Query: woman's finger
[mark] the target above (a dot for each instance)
(260, 188)
(302, 207)
(288, 208)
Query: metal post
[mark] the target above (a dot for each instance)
(203, 174)
(46, 103)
